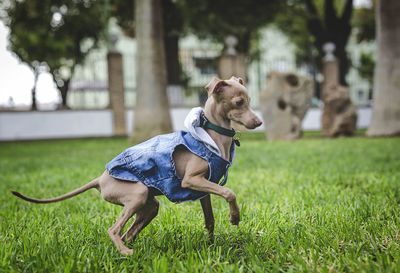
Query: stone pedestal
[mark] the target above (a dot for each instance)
(117, 92)
(232, 65)
(284, 103)
(339, 115)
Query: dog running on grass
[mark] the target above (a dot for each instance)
(183, 166)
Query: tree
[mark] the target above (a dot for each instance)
(206, 19)
(323, 20)
(173, 30)
(55, 33)
(152, 109)
(81, 26)
(366, 68)
(30, 36)
(364, 22)
(364, 25)
(172, 12)
(386, 104)
(219, 19)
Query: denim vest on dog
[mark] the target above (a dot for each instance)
(152, 164)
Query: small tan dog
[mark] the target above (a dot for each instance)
(192, 173)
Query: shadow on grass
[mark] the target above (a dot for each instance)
(231, 246)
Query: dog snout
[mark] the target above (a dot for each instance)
(254, 123)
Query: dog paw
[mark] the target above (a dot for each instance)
(127, 252)
(234, 219)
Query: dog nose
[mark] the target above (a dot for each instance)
(258, 122)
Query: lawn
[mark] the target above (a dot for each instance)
(314, 205)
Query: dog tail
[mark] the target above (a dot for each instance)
(92, 184)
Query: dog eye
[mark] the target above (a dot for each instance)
(239, 102)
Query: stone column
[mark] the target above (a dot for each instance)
(330, 69)
(116, 91)
(231, 63)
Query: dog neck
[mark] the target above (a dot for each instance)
(215, 115)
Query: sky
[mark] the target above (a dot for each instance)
(16, 78)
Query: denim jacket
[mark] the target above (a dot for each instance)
(151, 163)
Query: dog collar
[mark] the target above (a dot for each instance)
(205, 123)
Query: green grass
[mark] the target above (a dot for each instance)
(324, 205)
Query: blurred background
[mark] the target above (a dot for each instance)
(70, 68)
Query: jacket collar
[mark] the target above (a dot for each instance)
(193, 125)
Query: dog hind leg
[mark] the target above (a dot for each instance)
(133, 196)
(115, 230)
(143, 217)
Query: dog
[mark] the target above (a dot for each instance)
(182, 166)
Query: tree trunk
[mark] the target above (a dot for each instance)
(64, 92)
(152, 115)
(33, 91)
(244, 43)
(386, 104)
(344, 62)
(173, 27)
(332, 28)
(172, 58)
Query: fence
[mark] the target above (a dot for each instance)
(199, 66)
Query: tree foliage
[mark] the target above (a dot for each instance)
(365, 29)
(205, 19)
(364, 22)
(218, 19)
(316, 22)
(172, 12)
(366, 67)
(124, 12)
(57, 33)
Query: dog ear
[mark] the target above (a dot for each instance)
(238, 79)
(215, 85)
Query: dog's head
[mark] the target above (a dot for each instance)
(233, 101)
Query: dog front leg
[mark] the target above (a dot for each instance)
(196, 170)
(208, 215)
(199, 183)
(234, 212)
